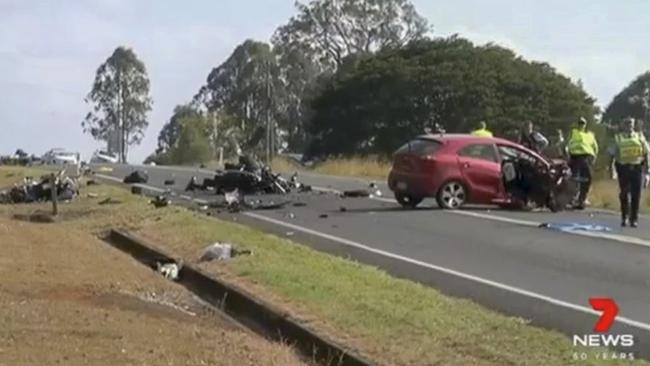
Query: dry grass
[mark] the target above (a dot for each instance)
(67, 298)
(350, 167)
(354, 167)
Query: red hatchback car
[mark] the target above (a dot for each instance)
(455, 169)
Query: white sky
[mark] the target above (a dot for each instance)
(50, 49)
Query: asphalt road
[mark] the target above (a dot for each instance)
(498, 258)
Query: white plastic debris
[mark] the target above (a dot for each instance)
(374, 190)
(233, 199)
(218, 251)
(169, 270)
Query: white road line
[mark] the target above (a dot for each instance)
(108, 177)
(614, 237)
(502, 286)
(448, 271)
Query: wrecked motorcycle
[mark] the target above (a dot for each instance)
(545, 186)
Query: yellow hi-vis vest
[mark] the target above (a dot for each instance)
(582, 143)
(631, 149)
(482, 133)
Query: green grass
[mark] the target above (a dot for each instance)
(392, 320)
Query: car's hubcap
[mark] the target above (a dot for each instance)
(453, 195)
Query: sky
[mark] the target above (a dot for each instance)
(50, 50)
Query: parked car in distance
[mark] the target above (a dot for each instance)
(456, 170)
(58, 156)
(101, 156)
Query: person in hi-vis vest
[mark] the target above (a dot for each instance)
(583, 149)
(482, 130)
(629, 153)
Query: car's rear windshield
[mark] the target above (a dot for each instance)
(420, 147)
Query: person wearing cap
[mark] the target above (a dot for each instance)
(583, 149)
(482, 130)
(629, 153)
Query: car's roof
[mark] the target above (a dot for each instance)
(448, 137)
(468, 139)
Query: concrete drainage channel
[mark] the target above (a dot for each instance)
(242, 307)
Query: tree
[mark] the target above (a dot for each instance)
(193, 145)
(299, 74)
(120, 102)
(324, 35)
(377, 103)
(170, 132)
(246, 87)
(633, 101)
(333, 29)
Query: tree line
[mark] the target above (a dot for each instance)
(346, 77)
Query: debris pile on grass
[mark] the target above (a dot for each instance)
(40, 190)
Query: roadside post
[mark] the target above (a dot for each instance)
(55, 203)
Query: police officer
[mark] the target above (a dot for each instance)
(629, 154)
(482, 130)
(583, 150)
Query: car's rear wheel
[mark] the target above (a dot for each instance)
(408, 201)
(452, 195)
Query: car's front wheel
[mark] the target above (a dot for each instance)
(408, 201)
(452, 195)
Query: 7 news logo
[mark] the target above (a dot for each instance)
(603, 339)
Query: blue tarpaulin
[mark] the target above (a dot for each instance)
(576, 226)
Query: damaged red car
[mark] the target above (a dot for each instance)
(458, 169)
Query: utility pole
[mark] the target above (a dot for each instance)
(644, 100)
(268, 113)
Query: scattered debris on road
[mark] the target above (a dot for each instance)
(170, 182)
(357, 193)
(323, 216)
(138, 176)
(371, 191)
(374, 190)
(234, 200)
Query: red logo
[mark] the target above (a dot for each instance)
(610, 311)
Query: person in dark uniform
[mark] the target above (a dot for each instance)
(629, 153)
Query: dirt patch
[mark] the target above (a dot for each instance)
(67, 298)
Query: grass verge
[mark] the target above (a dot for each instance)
(391, 320)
